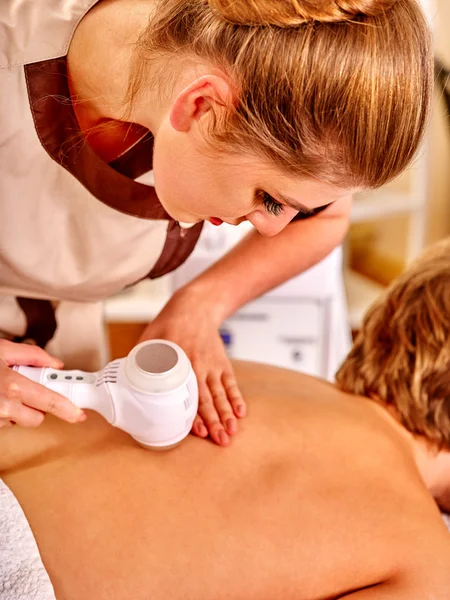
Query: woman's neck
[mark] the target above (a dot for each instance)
(100, 59)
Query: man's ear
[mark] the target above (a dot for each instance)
(209, 92)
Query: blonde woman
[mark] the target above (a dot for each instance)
(271, 111)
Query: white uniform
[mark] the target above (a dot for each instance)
(73, 228)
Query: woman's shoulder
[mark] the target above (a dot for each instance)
(35, 31)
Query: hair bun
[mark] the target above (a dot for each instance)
(289, 13)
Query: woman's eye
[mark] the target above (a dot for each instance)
(272, 206)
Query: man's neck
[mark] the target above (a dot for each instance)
(433, 464)
(434, 467)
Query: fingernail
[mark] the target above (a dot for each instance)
(201, 430)
(231, 426)
(240, 410)
(223, 438)
(82, 416)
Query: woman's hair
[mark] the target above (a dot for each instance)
(335, 89)
(401, 356)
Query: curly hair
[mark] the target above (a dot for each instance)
(401, 356)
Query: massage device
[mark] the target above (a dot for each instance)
(152, 394)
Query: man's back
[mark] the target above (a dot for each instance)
(317, 497)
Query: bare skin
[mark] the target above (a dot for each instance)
(319, 498)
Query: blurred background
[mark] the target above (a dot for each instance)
(307, 323)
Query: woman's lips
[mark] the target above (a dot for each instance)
(215, 221)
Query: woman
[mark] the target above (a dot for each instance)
(271, 111)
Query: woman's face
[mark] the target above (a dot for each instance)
(194, 185)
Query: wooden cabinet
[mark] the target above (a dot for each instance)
(122, 337)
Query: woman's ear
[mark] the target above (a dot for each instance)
(209, 92)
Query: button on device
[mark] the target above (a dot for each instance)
(64, 376)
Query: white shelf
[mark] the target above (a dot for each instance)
(403, 197)
(138, 304)
(382, 204)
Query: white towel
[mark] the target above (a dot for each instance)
(22, 573)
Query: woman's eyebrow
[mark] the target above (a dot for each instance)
(295, 205)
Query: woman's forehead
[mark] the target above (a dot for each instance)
(258, 172)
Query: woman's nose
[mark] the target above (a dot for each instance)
(270, 225)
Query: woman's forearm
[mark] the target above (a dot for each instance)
(258, 264)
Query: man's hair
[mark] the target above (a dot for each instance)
(401, 356)
(337, 90)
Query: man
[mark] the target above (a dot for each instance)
(325, 494)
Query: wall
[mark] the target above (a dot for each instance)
(378, 249)
(439, 211)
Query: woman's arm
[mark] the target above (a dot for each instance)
(194, 314)
(258, 264)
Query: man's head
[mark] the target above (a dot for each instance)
(401, 356)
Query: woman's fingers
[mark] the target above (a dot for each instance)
(209, 414)
(222, 404)
(18, 393)
(199, 427)
(24, 401)
(234, 394)
(13, 411)
(25, 354)
(48, 401)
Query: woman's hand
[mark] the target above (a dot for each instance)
(193, 328)
(23, 401)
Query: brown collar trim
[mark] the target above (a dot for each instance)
(60, 135)
(179, 245)
(137, 160)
